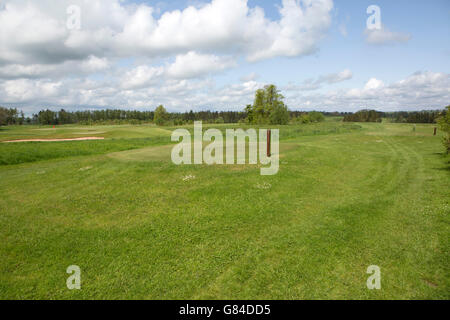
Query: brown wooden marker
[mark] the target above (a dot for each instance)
(269, 136)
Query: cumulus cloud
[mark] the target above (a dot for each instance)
(36, 32)
(84, 67)
(314, 84)
(336, 77)
(192, 65)
(38, 49)
(421, 90)
(373, 83)
(385, 37)
(141, 76)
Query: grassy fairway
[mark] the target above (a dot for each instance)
(346, 197)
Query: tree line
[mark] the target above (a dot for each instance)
(364, 116)
(50, 117)
(426, 116)
(268, 108)
(11, 117)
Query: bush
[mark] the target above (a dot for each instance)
(444, 124)
(315, 116)
(364, 116)
(219, 120)
(161, 116)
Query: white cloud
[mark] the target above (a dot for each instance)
(94, 64)
(336, 77)
(36, 32)
(192, 65)
(141, 76)
(249, 77)
(373, 83)
(23, 90)
(421, 90)
(311, 84)
(384, 37)
(84, 67)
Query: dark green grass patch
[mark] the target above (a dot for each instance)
(21, 152)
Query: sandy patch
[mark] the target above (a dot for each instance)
(90, 132)
(189, 177)
(85, 168)
(54, 140)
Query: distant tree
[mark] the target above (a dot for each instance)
(21, 118)
(249, 113)
(11, 116)
(315, 116)
(279, 114)
(444, 123)
(268, 107)
(46, 117)
(259, 110)
(3, 116)
(364, 116)
(304, 118)
(161, 116)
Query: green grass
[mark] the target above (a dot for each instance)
(15, 153)
(347, 196)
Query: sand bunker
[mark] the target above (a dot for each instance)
(54, 140)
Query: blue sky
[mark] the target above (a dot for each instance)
(329, 63)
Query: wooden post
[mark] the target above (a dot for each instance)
(435, 130)
(269, 137)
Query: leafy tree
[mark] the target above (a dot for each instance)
(364, 116)
(268, 107)
(47, 117)
(315, 116)
(259, 109)
(249, 113)
(3, 116)
(279, 114)
(161, 116)
(304, 118)
(444, 123)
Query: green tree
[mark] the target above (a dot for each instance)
(249, 113)
(444, 124)
(259, 112)
(315, 116)
(279, 114)
(268, 107)
(3, 116)
(161, 116)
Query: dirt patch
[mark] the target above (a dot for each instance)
(429, 283)
(54, 140)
